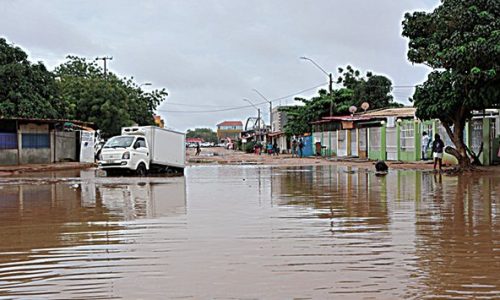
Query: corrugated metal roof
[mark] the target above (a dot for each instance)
(402, 112)
(48, 120)
(348, 118)
(230, 123)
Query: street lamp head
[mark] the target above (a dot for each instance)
(303, 57)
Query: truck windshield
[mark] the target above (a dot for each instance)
(119, 142)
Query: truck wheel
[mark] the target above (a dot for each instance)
(141, 170)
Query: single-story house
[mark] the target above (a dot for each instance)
(36, 141)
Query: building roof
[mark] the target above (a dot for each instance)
(276, 133)
(230, 123)
(348, 118)
(89, 126)
(194, 140)
(401, 112)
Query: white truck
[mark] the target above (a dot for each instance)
(143, 149)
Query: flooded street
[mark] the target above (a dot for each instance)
(237, 232)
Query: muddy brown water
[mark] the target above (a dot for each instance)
(247, 232)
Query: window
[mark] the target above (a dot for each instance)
(140, 143)
(407, 136)
(35, 140)
(8, 140)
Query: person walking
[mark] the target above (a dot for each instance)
(198, 149)
(437, 150)
(301, 147)
(294, 147)
(425, 145)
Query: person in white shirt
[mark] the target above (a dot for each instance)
(425, 145)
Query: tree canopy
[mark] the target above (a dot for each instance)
(26, 89)
(207, 134)
(106, 100)
(356, 89)
(460, 40)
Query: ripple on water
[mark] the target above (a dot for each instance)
(251, 232)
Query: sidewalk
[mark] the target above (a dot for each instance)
(17, 169)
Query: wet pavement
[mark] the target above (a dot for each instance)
(249, 232)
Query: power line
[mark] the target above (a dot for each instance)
(196, 105)
(230, 108)
(244, 106)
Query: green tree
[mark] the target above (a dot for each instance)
(374, 89)
(26, 90)
(108, 101)
(207, 134)
(460, 39)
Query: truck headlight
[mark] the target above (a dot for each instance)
(126, 155)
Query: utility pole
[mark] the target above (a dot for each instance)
(270, 108)
(259, 121)
(104, 59)
(259, 124)
(330, 89)
(330, 81)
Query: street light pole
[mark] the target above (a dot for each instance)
(330, 81)
(105, 59)
(270, 108)
(258, 117)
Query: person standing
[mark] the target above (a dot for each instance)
(269, 148)
(276, 150)
(294, 147)
(301, 147)
(437, 150)
(425, 145)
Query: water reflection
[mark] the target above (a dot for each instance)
(316, 232)
(442, 231)
(74, 229)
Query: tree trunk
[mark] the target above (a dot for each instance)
(457, 137)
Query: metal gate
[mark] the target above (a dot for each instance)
(392, 143)
(363, 142)
(476, 135)
(342, 151)
(354, 142)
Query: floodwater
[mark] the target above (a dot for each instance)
(237, 232)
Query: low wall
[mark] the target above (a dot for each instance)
(65, 146)
(8, 157)
(35, 156)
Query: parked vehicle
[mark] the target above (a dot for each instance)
(207, 144)
(144, 149)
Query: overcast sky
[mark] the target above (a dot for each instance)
(210, 54)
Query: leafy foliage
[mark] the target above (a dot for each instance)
(109, 102)
(374, 89)
(460, 39)
(207, 134)
(26, 90)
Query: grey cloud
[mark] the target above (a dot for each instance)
(214, 52)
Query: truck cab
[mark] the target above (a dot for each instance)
(126, 152)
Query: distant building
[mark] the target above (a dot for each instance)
(229, 129)
(280, 118)
(277, 134)
(194, 140)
